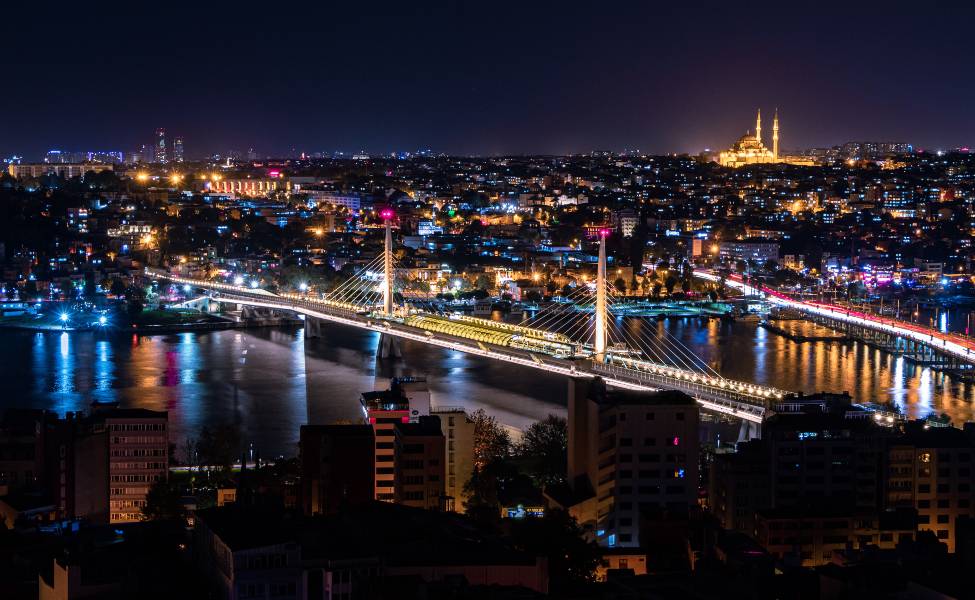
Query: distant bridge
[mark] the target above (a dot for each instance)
(923, 344)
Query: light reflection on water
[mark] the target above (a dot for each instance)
(269, 382)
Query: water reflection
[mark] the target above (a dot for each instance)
(271, 381)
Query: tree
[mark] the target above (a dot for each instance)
(219, 447)
(89, 286)
(571, 559)
(481, 498)
(670, 282)
(135, 298)
(544, 446)
(117, 287)
(620, 285)
(162, 502)
(491, 440)
(483, 282)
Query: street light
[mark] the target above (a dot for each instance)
(238, 280)
(102, 320)
(303, 286)
(254, 283)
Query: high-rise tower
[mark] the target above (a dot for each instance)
(160, 154)
(758, 126)
(775, 136)
(178, 149)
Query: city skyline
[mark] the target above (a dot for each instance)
(463, 81)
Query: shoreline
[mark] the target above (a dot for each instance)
(151, 329)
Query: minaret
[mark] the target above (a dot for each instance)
(775, 136)
(758, 126)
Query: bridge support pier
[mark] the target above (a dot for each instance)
(389, 346)
(313, 327)
(749, 431)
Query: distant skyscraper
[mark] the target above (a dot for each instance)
(54, 156)
(161, 145)
(178, 149)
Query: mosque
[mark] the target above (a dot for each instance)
(749, 149)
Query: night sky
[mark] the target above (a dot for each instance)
(483, 78)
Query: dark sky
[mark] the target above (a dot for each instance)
(483, 77)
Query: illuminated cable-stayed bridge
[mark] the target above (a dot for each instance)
(577, 336)
(926, 345)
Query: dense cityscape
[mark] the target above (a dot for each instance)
(325, 363)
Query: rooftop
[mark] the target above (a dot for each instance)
(400, 535)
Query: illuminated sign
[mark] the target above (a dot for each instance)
(521, 511)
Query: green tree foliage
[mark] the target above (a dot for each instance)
(670, 283)
(162, 502)
(135, 301)
(484, 282)
(571, 559)
(544, 450)
(219, 447)
(491, 440)
(117, 287)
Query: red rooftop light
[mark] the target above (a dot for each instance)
(604, 232)
(386, 213)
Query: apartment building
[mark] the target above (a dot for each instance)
(630, 454)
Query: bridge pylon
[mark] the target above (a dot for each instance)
(387, 215)
(600, 337)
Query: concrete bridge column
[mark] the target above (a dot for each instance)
(389, 346)
(313, 327)
(749, 431)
